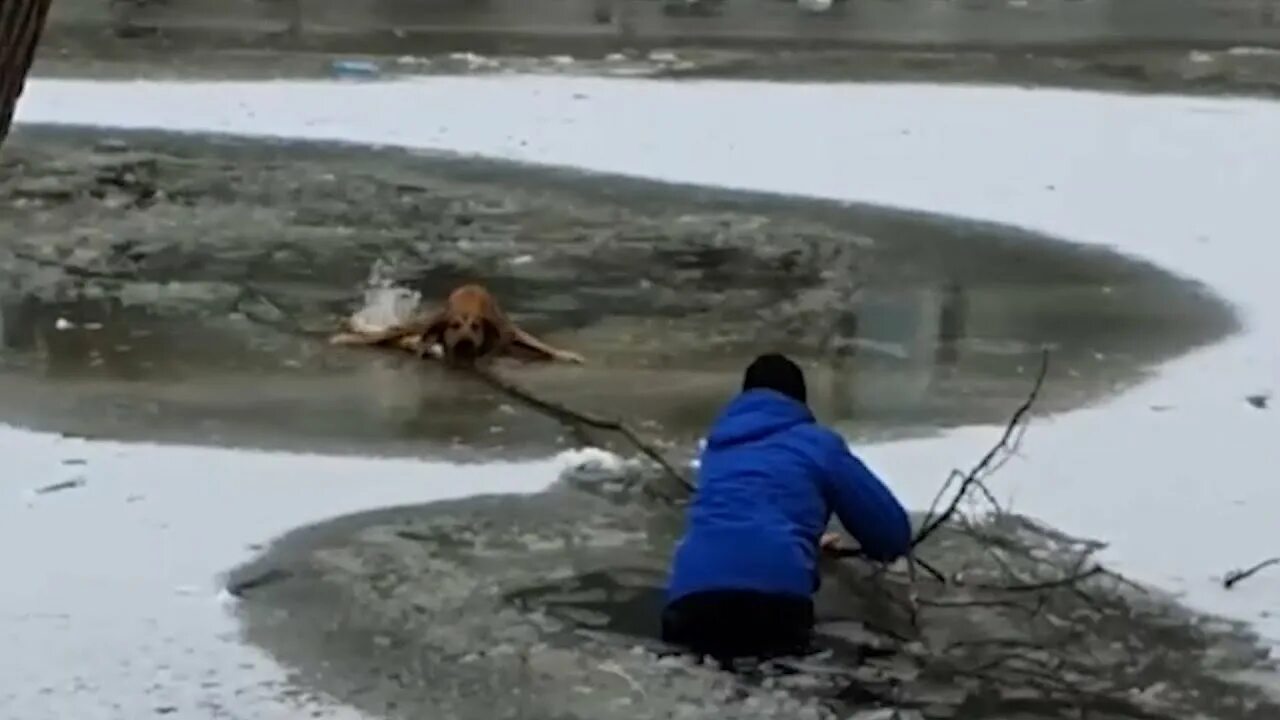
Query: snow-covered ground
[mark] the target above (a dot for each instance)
(1181, 495)
(111, 604)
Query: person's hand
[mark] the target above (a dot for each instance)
(831, 542)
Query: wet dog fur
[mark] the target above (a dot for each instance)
(470, 328)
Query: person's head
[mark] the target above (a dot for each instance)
(777, 372)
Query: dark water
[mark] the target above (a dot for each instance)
(209, 326)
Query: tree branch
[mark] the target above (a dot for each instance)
(1008, 442)
(1236, 576)
(568, 415)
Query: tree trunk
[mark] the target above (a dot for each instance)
(20, 24)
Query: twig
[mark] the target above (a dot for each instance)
(942, 492)
(937, 498)
(1057, 536)
(1010, 604)
(856, 553)
(973, 477)
(1236, 576)
(935, 572)
(991, 498)
(1125, 581)
(1045, 585)
(565, 414)
(60, 486)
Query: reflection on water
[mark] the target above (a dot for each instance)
(38, 336)
(951, 324)
(904, 322)
(904, 358)
(915, 335)
(922, 329)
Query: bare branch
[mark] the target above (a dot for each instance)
(1067, 581)
(573, 417)
(858, 554)
(1008, 442)
(936, 573)
(937, 498)
(1235, 576)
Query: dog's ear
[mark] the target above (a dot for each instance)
(492, 335)
(433, 327)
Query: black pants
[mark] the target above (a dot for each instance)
(728, 624)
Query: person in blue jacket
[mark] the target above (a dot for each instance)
(743, 576)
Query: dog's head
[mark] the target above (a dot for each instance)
(467, 336)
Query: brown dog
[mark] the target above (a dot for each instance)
(471, 327)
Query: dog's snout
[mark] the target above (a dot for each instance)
(465, 347)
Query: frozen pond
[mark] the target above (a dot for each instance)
(1185, 183)
(168, 291)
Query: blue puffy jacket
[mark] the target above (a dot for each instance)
(769, 480)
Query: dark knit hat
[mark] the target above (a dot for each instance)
(776, 372)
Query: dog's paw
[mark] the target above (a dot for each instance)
(346, 338)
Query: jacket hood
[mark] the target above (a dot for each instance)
(756, 414)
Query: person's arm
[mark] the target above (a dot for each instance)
(866, 507)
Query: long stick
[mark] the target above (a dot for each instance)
(567, 414)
